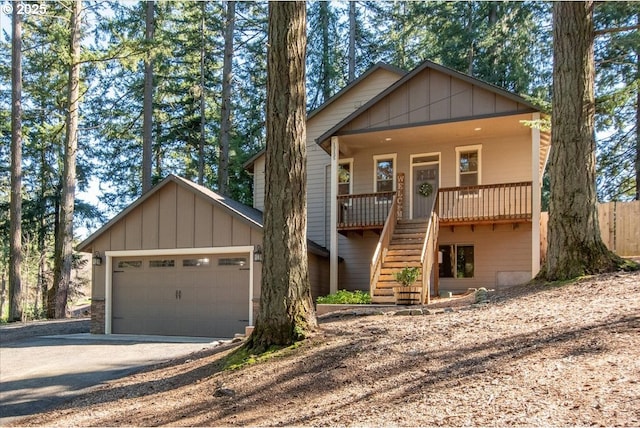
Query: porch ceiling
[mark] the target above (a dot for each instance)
(464, 132)
(443, 132)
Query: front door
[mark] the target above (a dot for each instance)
(425, 189)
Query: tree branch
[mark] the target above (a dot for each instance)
(616, 30)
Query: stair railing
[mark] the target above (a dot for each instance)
(428, 255)
(383, 246)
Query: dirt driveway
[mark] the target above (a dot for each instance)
(38, 372)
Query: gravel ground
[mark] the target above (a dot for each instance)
(533, 355)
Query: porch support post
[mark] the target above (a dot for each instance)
(333, 229)
(536, 192)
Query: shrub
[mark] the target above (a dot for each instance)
(407, 276)
(346, 298)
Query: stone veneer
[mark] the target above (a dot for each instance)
(97, 316)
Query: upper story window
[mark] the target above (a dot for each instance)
(345, 177)
(385, 173)
(469, 160)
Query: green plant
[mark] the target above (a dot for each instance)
(407, 276)
(346, 298)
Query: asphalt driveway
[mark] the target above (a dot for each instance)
(37, 373)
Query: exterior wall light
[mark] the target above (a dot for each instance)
(97, 259)
(257, 254)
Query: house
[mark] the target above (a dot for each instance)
(182, 260)
(430, 169)
(433, 169)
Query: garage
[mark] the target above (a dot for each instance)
(182, 260)
(194, 295)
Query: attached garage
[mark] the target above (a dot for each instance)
(180, 261)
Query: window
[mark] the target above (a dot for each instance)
(457, 261)
(129, 264)
(469, 160)
(195, 262)
(385, 177)
(236, 261)
(345, 168)
(415, 159)
(161, 263)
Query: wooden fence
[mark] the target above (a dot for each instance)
(619, 227)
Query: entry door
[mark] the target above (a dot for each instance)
(425, 189)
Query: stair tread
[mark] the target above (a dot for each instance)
(391, 282)
(390, 270)
(401, 264)
(403, 257)
(383, 291)
(403, 246)
(403, 231)
(383, 299)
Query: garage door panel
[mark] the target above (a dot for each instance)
(199, 295)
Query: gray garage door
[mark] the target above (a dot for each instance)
(202, 295)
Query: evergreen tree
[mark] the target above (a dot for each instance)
(15, 219)
(575, 247)
(617, 56)
(286, 311)
(63, 257)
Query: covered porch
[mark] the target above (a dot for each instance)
(455, 206)
(439, 146)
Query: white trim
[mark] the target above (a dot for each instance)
(387, 156)
(350, 162)
(333, 239)
(459, 149)
(536, 193)
(108, 278)
(411, 165)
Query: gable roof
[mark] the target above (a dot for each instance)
(249, 215)
(243, 212)
(347, 125)
(248, 165)
(354, 82)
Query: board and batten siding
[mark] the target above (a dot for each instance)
(172, 218)
(431, 96)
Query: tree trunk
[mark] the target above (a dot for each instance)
(225, 114)
(326, 61)
(637, 164)
(64, 244)
(15, 251)
(147, 108)
(352, 40)
(575, 247)
(471, 51)
(203, 48)
(3, 294)
(286, 310)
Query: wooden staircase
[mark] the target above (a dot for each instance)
(404, 250)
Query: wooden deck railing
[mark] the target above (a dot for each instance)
(491, 203)
(383, 245)
(364, 211)
(428, 257)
